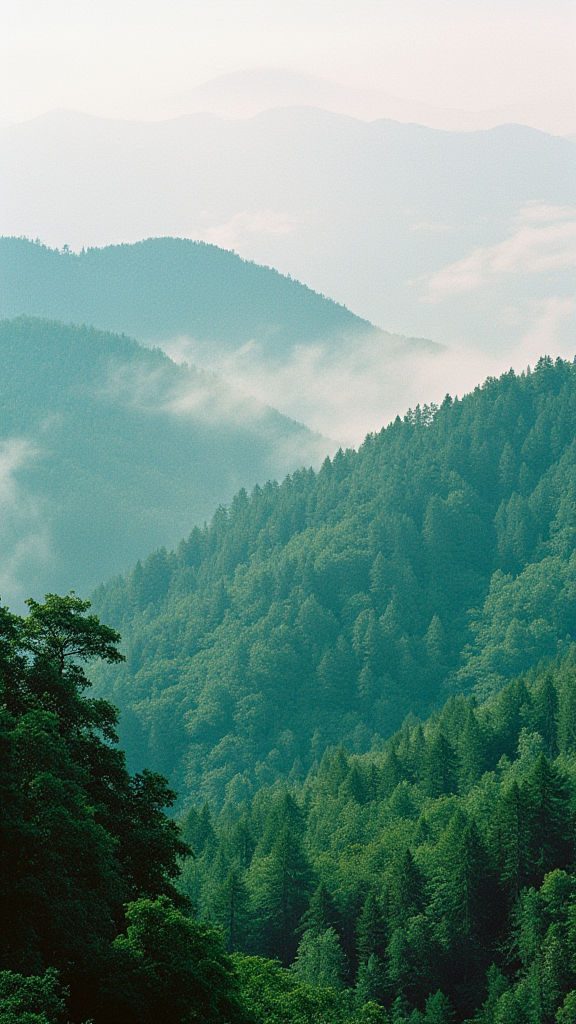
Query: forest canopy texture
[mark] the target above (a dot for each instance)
(438, 558)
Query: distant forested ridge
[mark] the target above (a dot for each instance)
(110, 449)
(275, 338)
(163, 287)
(438, 557)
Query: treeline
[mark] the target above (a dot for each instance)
(165, 287)
(325, 609)
(430, 882)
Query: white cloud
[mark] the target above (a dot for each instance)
(543, 239)
(264, 223)
(24, 533)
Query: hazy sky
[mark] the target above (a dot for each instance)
(112, 56)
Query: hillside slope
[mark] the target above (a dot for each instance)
(109, 449)
(427, 860)
(164, 287)
(271, 336)
(324, 610)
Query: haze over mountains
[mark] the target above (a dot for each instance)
(465, 238)
(109, 450)
(247, 93)
(278, 340)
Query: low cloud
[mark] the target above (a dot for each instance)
(245, 225)
(432, 227)
(345, 391)
(543, 239)
(24, 533)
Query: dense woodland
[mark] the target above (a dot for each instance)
(434, 878)
(363, 682)
(429, 883)
(437, 558)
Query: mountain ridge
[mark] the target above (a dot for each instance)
(110, 448)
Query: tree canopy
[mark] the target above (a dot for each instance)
(324, 609)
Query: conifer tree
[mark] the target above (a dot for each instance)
(545, 713)
(320, 960)
(232, 905)
(281, 882)
(471, 752)
(321, 913)
(371, 930)
(406, 895)
(440, 767)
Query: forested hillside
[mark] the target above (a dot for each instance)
(109, 449)
(439, 556)
(164, 287)
(428, 883)
(270, 336)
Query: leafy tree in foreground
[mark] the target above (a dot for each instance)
(87, 849)
(32, 1000)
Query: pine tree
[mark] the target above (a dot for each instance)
(370, 981)
(438, 1009)
(471, 752)
(321, 913)
(440, 767)
(390, 771)
(320, 960)
(232, 906)
(281, 883)
(371, 930)
(512, 839)
(406, 890)
(550, 819)
(545, 713)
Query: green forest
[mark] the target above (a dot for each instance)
(163, 287)
(427, 883)
(438, 558)
(348, 708)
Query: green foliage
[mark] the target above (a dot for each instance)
(432, 906)
(325, 609)
(30, 1000)
(274, 995)
(168, 968)
(320, 960)
(87, 850)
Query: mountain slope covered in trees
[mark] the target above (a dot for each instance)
(325, 609)
(109, 449)
(271, 336)
(164, 287)
(427, 883)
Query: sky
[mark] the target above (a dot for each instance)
(113, 57)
